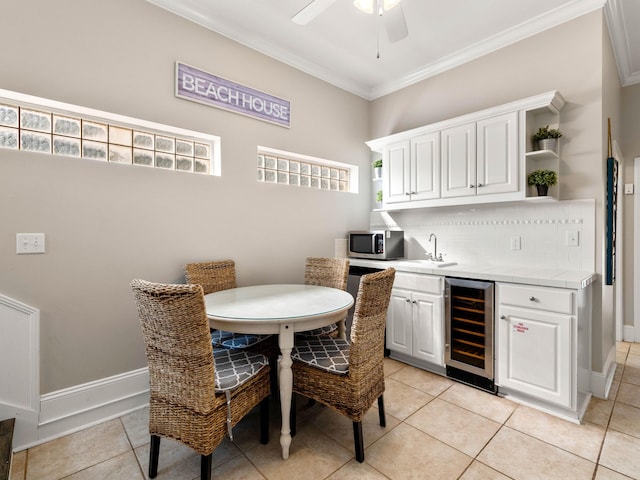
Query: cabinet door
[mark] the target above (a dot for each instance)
(425, 166)
(458, 161)
(534, 353)
(399, 321)
(397, 170)
(497, 155)
(428, 336)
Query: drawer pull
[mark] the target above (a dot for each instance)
(503, 317)
(414, 301)
(532, 298)
(407, 300)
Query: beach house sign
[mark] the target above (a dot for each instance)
(203, 87)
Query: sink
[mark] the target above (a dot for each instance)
(433, 264)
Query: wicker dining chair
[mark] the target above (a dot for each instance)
(348, 376)
(326, 272)
(213, 277)
(197, 394)
(221, 275)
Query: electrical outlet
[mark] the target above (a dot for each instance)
(572, 239)
(29, 243)
(516, 243)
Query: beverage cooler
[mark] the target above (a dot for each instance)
(469, 338)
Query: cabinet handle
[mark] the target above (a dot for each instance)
(413, 301)
(407, 300)
(472, 186)
(407, 193)
(480, 185)
(503, 317)
(532, 298)
(413, 193)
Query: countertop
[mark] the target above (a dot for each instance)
(525, 275)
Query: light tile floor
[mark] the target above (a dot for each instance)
(436, 429)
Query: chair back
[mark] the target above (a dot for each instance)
(177, 344)
(213, 276)
(327, 272)
(369, 319)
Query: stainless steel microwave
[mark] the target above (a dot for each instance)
(379, 245)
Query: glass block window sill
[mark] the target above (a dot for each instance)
(287, 168)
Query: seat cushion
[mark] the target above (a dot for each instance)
(330, 354)
(326, 330)
(234, 367)
(243, 340)
(219, 336)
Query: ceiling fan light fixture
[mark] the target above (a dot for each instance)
(367, 6)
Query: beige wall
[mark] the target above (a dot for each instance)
(106, 224)
(630, 127)
(574, 67)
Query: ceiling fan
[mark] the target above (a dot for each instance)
(390, 11)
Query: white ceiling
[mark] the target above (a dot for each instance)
(340, 45)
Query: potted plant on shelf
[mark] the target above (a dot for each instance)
(542, 179)
(546, 138)
(379, 198)
(377, 168)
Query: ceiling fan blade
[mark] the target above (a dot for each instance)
(395, 23)
(311, 11)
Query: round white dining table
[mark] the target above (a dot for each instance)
(281, 310)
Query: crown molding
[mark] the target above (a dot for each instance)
(619, 35)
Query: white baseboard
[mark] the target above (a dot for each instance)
(73, 409)
(630, 333)
(601, 382)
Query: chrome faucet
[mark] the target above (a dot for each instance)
(435, 257)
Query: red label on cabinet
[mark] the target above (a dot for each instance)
(520, 328)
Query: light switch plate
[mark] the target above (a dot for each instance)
(27, 243)
(628, 188)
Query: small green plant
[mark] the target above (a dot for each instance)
(377, 163)
(542, 177)
(379, 196)
(546, 132)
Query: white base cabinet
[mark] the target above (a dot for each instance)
(415, 318)
(542, 336)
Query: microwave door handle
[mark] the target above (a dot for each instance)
(373, 243)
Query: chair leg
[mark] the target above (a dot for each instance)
(383, 419)
(154, 452)
(292, 415)
(206, 461)
(358, 441)
(264, 420)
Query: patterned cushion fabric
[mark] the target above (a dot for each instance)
(243, 340)
(234, 367)
(219, 336)
(326, 330)
(330, 354)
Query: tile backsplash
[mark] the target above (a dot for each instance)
(550, 235)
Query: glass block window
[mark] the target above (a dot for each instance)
(288, 168)
(45, 126)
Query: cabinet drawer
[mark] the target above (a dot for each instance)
(541, 298)
(416, 281)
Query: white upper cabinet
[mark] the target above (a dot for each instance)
(481, 157)
(459, 160)
(412, 169)
(396, 168)
(497, 154)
